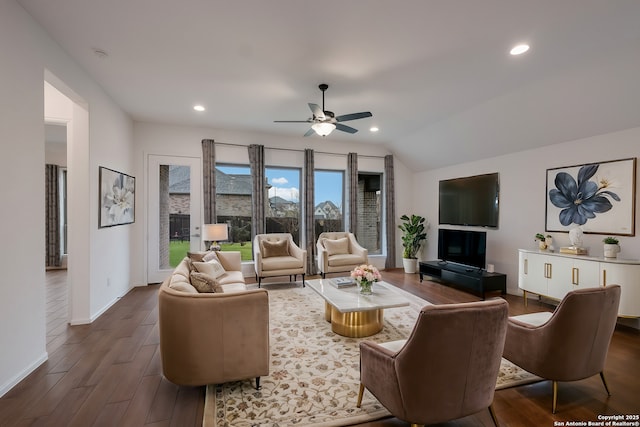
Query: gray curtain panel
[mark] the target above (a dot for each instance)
(390, 211)
(52, 228)
(209, 180)
(309, 208)
(259, 185)
(352, 172)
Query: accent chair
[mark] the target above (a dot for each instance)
(339, 251)
(276, 254)
(569, 344)
(446, 369)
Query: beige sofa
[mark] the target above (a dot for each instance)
(213, 337)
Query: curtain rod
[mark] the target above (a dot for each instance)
(297, 150)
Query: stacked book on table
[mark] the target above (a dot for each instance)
(343, 282)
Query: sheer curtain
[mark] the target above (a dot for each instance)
(309, 210)
(390, 211)
(352, 172)
(209, 180)
(259, 185)
(52, 228)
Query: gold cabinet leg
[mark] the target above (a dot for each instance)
(524, 295)
(555, 397)
(360, 393)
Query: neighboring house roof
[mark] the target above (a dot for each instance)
(180, 182)
(179, 179)
(233, 184)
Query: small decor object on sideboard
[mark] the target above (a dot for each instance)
(542, 243)
(611, 247)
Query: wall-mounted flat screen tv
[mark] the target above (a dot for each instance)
(472, 200)
(463, 247)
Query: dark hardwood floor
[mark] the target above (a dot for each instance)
(109, 373)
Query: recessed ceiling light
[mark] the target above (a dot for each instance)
(198, 108)
(374, 129)
(519, 49)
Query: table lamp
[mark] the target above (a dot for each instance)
(214, 233)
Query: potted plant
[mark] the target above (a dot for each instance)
(413, 234)
(611, 247)
(542, 244)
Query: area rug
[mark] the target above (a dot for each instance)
(314, 374)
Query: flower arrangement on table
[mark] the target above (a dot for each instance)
(365, 275)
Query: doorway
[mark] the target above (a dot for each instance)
(174, 214)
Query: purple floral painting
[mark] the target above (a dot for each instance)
(598, 197)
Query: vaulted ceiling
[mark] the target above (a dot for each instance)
(437, 75)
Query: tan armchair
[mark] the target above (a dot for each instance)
(569, 344)
(276, 254)
(338, 252)
(446, 369)
(213, 338)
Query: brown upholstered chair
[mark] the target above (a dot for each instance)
(339, 251)
(213, 338)
(446, 369)
(569, 344)
(276, 254)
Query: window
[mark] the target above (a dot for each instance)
(282, 211)
(233, 206)
(328, 201)
(369, 230)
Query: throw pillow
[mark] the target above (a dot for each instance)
(337, 246)
(213, 268)
(196, 256)
(204, 283)
(277, 248)
(210, 255)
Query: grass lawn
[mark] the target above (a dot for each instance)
(178, 250)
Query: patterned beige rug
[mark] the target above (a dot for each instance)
(314, 375)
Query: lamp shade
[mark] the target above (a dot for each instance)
(215, 232)
(323, 128)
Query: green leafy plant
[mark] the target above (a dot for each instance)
(413, 234)
(540, 236)
(610, 240)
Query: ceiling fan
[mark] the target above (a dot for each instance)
(324, 122)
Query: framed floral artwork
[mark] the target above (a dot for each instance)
(598, 197)
(117, 198)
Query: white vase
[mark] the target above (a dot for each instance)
(410, 265)
(611, 250)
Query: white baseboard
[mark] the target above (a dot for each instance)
(22, 375)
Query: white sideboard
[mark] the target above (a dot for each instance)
(553, 274)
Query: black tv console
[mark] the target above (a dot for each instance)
(474, 279)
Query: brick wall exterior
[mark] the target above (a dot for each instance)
(163, 239)
(369, 214)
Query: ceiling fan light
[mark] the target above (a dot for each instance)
(324, 128)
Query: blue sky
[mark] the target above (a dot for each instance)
(286, 183)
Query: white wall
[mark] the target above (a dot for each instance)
(161, 139)
(28, 55)
(523, 195)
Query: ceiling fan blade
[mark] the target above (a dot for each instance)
(345, 128)
(292, 121)
(309, 132)
(354, 116)
(317, 111)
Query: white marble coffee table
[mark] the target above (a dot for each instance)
(352, 314)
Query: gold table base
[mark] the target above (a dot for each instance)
(354, 324)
